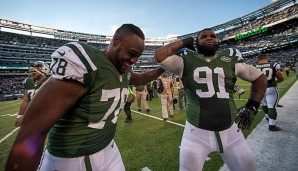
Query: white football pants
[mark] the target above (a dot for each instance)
(107, 159)
(198, 143)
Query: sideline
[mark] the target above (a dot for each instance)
(277, 150)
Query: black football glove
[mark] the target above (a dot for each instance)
(190, 43)
(246, 114)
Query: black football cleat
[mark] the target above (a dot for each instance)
(274, 128)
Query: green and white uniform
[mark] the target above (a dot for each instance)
(89, 126)
(271, 97)
(210, 109)
(209, 90)
(31, 87)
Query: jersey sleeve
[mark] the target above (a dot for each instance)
(276, 66)
(71, 61)
(173, 64)
(247, 72)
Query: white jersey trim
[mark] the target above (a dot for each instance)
(173, 64)
(82, 50)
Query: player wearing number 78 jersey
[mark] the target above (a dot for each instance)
(79, 106)
(209, 76)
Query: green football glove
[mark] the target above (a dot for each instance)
(246, 114)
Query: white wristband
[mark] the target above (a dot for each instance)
(19, 116)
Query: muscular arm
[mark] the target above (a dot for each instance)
(258, 88)
(256, 77)
(49, 104)
(170, 49)
(23, 106)
(137, 79)
(279, 76)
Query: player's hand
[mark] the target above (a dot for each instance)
(18, 122)
(245, 117)
(246, 114)
(190, 43)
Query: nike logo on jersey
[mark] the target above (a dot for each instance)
(61, 53)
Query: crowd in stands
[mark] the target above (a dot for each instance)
(11, 85)
(25, 47)
(285, 13)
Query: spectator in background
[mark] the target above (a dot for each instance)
(270, 100)
(141, 93)
(166, 97)
(154, 87)
(130, 99)
(287, 70)
(37, 76)
(181, 95)
(150, 91)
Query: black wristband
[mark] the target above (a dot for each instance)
(251, 103)
(188, 43)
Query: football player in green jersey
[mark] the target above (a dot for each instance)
(209, 76)
(270, 100)
(79, 105)
(38, 75)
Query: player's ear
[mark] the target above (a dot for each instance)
(116, 41)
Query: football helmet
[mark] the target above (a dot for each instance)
(39, 66)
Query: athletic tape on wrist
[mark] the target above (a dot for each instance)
(19, 116)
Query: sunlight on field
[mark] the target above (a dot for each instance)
(146, 142)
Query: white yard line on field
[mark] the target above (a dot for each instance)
(9, 105)
(8, 135)
(174, 123)
(15, 114)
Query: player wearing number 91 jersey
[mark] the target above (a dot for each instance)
(209, 76)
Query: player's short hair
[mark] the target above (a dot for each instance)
(204, 30)
(128, 29)
(262, 56)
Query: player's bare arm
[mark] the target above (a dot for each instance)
(170, 49)
(23, 106)
(258, 88)
(279, 76)
(137, 79)
(44, 110)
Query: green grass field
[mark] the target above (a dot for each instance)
(147, 141)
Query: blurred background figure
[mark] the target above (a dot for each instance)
(141, 93)
(181, 95)
(130, 99)
(239, 90)
(37, 76)
(166, 97)
(270, 100)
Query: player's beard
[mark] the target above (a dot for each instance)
(207, 51)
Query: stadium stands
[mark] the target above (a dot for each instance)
(279, 41)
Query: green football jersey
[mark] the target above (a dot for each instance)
(269, 69)
(209, 85)
(31, 87)
(90, 124)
